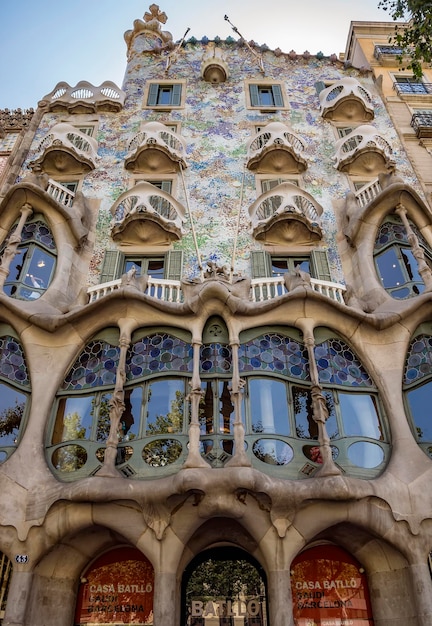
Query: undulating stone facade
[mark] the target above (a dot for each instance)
(215, 347)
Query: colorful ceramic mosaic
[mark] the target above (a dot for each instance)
(338, 365)
(419, 359)
(277, 353)
(216, 136)
(215, 358)
(156, 354)
(13, 366)
(95, 366)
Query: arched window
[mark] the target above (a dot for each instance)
(281, 430)
(395, 262)
(328, 584)
(418, 388)
(154, 424)
(32, 268)
(14, 394)
(118, 587)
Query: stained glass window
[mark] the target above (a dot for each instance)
(418, 387)
(277, 353)
(32, 267)
(396, 264)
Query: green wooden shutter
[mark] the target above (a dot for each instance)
(320, 265)
(166, 185)
(176, 94)
(277, 96)
(153, 94)
(260, 264)
(319, 86)
(174, 265)
(112, 265)
(254, 95)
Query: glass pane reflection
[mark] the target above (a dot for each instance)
(269, 406)
(360, 415)
(365, 454)
(420, 406)
(273, 451)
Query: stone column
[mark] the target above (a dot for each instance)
(117, 407)
(320, 413)
(240, 458)
(421, 579)
(18, 598)
(13, 242)
(165, 598)
(418, 252)
(194, 458)
(279, 598)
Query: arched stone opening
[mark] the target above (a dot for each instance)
(386, 575)
(224, 586)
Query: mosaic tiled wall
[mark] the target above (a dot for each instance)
(216, 126)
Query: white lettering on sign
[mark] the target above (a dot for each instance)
(21, 558)
(327, 584)
(225, 608)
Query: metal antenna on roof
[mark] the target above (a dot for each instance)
(254, 52)
(173, 54)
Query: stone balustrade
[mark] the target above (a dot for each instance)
(262, 289)
(61, 194)
(368, 192)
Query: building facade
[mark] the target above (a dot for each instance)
(216, 345)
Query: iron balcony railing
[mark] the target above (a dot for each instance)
(422, 124)
(385, 51)
(417, 88)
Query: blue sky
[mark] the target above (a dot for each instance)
(44, 42)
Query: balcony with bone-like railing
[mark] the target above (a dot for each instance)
(155, 136)
(262, 289)
(364, 141)
(276, 147)
(85, 98)
(289, 204)
(346, 99)
(73, 143)
(163, 215)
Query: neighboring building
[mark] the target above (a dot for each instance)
(408, 100)
(216, 347)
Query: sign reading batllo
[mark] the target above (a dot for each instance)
(329, 588)
(117, 589)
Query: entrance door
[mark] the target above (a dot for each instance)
(116, 589)
(224, 587)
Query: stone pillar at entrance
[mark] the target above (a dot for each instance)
(164, 601)
(18, 598)
(421, 583)
(280, 598)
